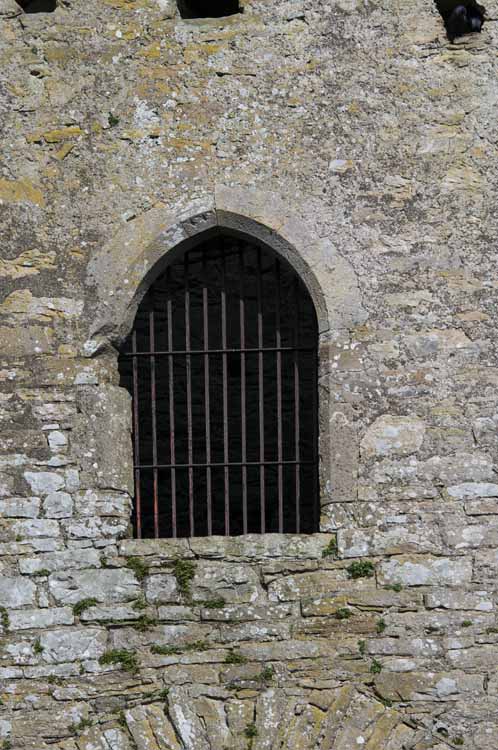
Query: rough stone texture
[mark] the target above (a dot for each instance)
(355, 140)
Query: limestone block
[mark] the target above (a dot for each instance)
(317, 583)
(188, 725)
(63, 560)
(254, 632)
(98, 738)
(389, 434)
(425, 571)
(104, 420)
(51, 724)
(468, 536)
(246, 612)
(106, 585)
(100, 503)
(36, 527)
(9, 8)
(20, 507)
(473, 658)
(151, 728)
(232, 582)
(44, 482)
(394, 541)
(480, 601)
(178, 613)
(376, 600)
(163, 549)
(438, 342)
(486, 565)
(69, 644)
(58, 505)
(113, 613)
(16, 592)
(27, 619)
(57, 440)
(260, 546)
(423, 686)
(97, 528)
(161, 589)
(472, 490)
(26, 341)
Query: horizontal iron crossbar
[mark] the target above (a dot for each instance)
(254, 350)
(221, 464)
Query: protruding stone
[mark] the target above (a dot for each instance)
(390, 435)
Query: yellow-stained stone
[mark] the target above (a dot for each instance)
(56, 135)
(64, 151)
(28, 263)
(18, 191)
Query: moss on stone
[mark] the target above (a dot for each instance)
(83, 604)
(343, 613)
(127, 659)
(4, 618)
(139, 567)
(184, 572)
(375, 667)
(361, 569)
(235, 657)
(331, 549)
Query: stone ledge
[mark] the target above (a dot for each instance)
(246, 547)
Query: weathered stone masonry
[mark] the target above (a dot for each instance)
(352, 138)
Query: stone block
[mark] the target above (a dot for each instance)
(16, 592)
(28, 619)
(425, 571)
(314, 584)
(102, 503)
(398, 539)
(63, 560)
(20, 507)
(391, 435)
(469, 490)
(106, 585)
(481, 601)
(58, 505)
(36, 527)
(163, 549)
(260, 546)
(161, 589)
(44, 482)
(71, 644)
(429, 686)
(234, 583)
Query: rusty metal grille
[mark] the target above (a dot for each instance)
(222, 368)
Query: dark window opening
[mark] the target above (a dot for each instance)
(38, 6)
(222, 368)
(208, 8)
(461, 18)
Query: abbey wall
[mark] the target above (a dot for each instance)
(354, 139)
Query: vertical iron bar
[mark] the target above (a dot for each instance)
(152, 344)
(136, 423)
(225, 389)
(279, 401)
(207, 407)
(261, 402)
(297, 426)
(243, 416)
(172, 446)
(188, 365)
(315, 486)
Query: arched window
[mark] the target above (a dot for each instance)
(221, 364)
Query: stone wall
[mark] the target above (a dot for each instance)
(354, 139)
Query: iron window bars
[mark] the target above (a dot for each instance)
(222, 368)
